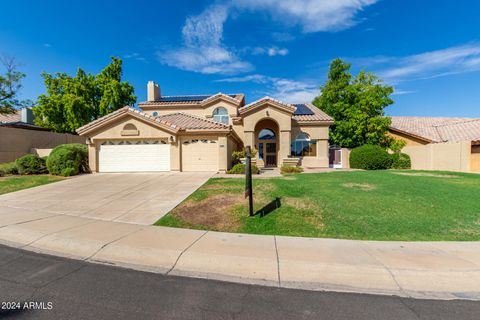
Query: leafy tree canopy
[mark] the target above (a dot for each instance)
(71, 102)
(10, 85)
(357, 106)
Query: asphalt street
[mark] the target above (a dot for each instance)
(37, 286)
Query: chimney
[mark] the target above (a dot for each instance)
(153, 91)
(27, 115)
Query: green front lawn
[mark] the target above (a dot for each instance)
(11, 184)
(375, 205)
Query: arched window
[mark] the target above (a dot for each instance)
(220, 114)
(302, 146)
(266, 134)
(129, 126)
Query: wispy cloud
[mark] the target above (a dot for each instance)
(433, 64)
(136, 56)
(287, 90)
(401, 92)
(203, 50)
(310, 15)
(47, 45)
(270, 51)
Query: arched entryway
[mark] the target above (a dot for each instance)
(266, 142)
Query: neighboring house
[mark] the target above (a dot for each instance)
(19, 136)
(440, 143)
(200, 132)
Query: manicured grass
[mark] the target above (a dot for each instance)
(15, 183)
(375, 205)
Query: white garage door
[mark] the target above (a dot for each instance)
(129, 157)
(200, 155)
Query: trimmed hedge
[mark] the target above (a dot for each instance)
(401, 161)
(290, 169)
(369, 157)
(31, 164)
(68, 160)
(239, 168)
(8, 168)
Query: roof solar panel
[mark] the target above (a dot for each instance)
(188, 98)
(302, 110)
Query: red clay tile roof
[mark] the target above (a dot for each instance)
(318, 115)
(190, 122)
(175, 121)
(14, 117)
(439, 129)
(263, 100)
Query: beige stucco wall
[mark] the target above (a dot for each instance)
(346, 158)
(15, 143)
(319, 133)
(440, 156)
(475, 159)
(267, 112)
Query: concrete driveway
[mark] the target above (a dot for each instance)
(140, 198)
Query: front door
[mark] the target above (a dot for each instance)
(270, 154)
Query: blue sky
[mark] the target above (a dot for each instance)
(429, 50)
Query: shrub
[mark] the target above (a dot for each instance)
(8, 168)
(400, 161)
(239, 168)
(237, 155)
(290, 169)
(370, 157)
(30, 164)
(68, 160)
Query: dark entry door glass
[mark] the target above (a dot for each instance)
(271, 154)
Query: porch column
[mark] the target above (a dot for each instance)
(285, 144)
(249, 139)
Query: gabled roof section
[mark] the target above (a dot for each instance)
(194, 100)
(267, 100)
(308, 113)
(121, 112)
(173, 123)
(437, 129)
(189, 122)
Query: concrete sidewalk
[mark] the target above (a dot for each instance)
(438, 270)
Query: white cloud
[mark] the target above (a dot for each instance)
(286, 90)
(270, 51)
(203, 50)
(310, 15)
(135, 56)
(433, 64)
(401, 92)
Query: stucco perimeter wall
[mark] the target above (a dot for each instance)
(440, 156)
(15, 143)
(475, 159)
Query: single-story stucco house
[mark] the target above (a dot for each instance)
(436, 143)
(200, 132)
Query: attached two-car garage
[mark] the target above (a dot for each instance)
(138, 156)
(197, 154)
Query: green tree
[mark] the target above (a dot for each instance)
(10, 85)
(357, 106)
(71, 102)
